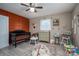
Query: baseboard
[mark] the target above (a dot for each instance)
(44, 41)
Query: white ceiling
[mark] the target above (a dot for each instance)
(48, 9)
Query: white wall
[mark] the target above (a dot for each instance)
(65, 20)
(4, 31)
(76, 10)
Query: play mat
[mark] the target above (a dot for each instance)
(40, 50)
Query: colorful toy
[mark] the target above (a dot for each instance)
(72, 50)
(75, 52)
(75, 49)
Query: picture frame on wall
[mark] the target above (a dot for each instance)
(56, 22)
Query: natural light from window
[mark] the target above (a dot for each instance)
(45, 25)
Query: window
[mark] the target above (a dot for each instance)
(45, 25)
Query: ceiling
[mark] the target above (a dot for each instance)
(48, 9)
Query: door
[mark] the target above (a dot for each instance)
(77, 22)
(4, 31)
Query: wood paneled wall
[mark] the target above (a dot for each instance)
(16, 22)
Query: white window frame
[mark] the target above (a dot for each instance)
(41, 29)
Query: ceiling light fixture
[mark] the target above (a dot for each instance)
(32, 9)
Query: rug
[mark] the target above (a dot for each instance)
(41, 50)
